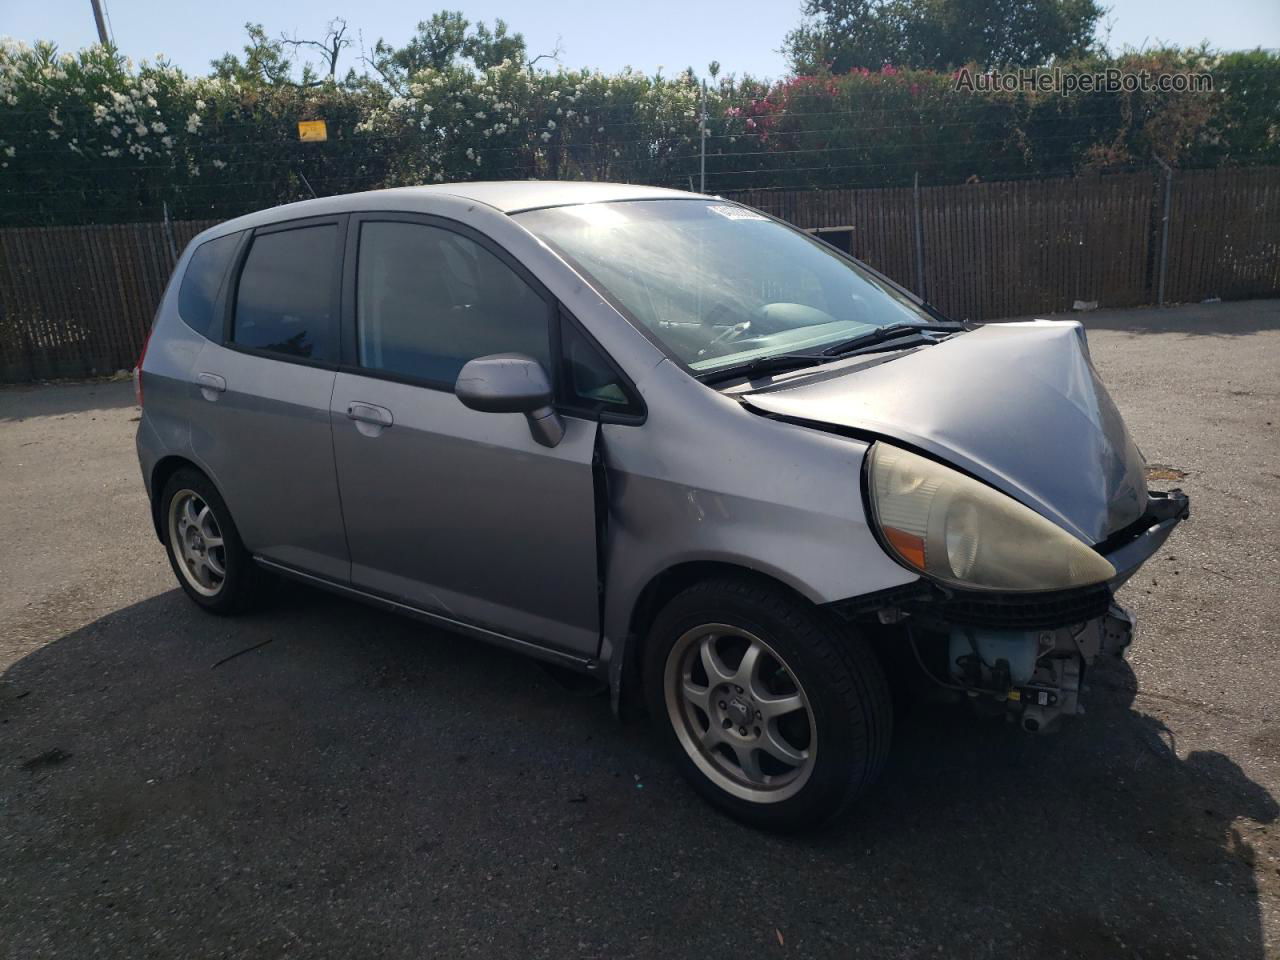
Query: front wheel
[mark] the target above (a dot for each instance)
(776, 713)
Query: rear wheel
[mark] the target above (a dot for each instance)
(204, 547)
(776, 713)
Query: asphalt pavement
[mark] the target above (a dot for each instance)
(362, 786)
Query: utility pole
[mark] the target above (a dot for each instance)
(702, 127)
(102, 24)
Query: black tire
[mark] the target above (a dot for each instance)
(837, 671)
(243, 586)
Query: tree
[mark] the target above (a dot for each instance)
(335, 40)
(264, 61)
(839, 35)
(441, 42)
(488, 48)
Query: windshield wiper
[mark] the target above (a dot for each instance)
(893, 331)
(763, 365)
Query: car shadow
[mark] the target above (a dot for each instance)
(328, 776)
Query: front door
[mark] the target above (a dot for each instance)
(451, 510)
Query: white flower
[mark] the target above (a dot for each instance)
(193, 123)
(219, 164)
(116, 131)
(599, 129)
(168, 142)
(479, 114)
(471, 155)
(545, 137)
(199, 104)
(159, 127)
(9, 151)
(551, 124)
(140, 129)
(99, 111)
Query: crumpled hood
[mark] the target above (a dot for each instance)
(1018, 405)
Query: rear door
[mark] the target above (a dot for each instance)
(261, 421)
(451, 510)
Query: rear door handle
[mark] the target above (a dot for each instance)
(211, 385)
(370, 419)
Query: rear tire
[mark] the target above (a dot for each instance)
(776, 712)
(204, 547)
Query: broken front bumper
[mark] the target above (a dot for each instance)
(1029, 650)
(1130, 548)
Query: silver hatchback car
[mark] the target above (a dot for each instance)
(654, 437)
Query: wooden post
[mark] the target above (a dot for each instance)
(919, 242)
(168, 233)
(1164, 228)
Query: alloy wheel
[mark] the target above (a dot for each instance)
(196, 542)
(739, 713)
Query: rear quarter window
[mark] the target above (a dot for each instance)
(202, 283)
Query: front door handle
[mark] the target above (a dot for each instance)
(211, 385)
(370, 419)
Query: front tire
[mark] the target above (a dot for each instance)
(204, 547)
(776, 712)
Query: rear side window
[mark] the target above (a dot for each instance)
(201, 284)
(428, 300)
(285, 300)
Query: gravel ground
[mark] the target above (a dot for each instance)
(363, 786)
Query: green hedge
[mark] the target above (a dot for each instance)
(90, 137)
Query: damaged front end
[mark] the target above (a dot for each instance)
(1037, 673)
(1026, 654)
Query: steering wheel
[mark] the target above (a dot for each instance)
(732, 333)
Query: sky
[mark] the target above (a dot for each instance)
(744, 36)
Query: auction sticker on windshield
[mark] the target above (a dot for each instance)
(735, 213)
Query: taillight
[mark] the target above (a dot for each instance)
(137, 369)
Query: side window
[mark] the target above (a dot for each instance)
(201, 284)
(428, 300)
(285, 299)
(590, 381)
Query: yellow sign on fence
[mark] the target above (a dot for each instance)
(312, 130)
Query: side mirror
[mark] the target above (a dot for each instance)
(511, 383)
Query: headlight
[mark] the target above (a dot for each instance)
(954, 529)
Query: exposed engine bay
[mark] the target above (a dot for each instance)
(1038, 675)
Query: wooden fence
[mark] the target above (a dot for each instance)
(991, 250)
(77, 301)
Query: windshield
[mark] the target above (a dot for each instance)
(717, 283)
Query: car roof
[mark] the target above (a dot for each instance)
(512, 196)
(506, 196)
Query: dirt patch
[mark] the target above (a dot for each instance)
(1164, 472)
